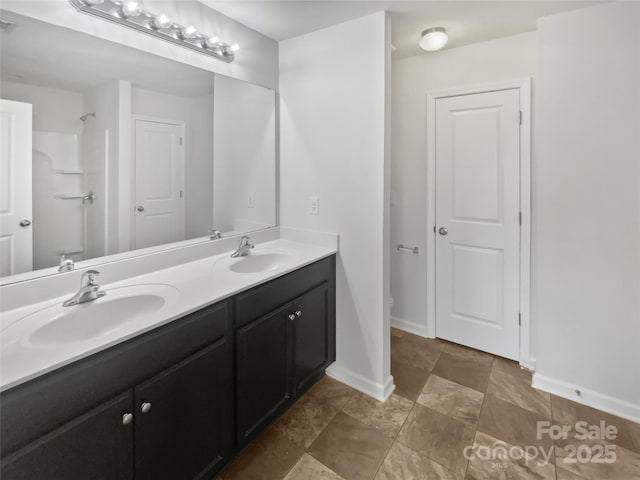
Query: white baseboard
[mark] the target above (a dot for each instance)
(591, 398)
(378, 391)
(411, 327)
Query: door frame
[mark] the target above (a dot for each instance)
(524, 87)
(146, 118)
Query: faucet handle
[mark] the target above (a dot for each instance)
(89, 278)
(244, 240)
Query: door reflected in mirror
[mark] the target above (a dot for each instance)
(108, 149)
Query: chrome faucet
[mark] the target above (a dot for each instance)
(244, 248)
(89, 290)
(215, 234)
(66, 264)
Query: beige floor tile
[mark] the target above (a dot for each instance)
(438, 437)
(308, 468)
(562, 474)
(351, 448)
(270, 457)
(470, 353)
(387, 416)
(417, 351)
(625, 467)
(451, 399)
(463, 369)
(333, 392)
(402, 463)
(511, 424)
(304, 421)
(514, 386)
(567, 412)
(515, 464)
(408, 379)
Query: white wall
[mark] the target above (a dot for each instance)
(245, 156)
(332, 128)
(586, 281)
(486, 62)
(100, 148)
(256, 62)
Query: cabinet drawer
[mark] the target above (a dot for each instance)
(265, 298)
(35, 408)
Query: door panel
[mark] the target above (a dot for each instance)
(16, 240)
(186, 432)
(263, 362)
(477, 203)
(96, 445)
(159, 183)
(311, 351)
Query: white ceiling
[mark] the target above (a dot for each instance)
(39, 53)
(466, 21)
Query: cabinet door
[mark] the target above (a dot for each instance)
(263, 362)
(183, 417)
(97, 445)
(311, 334)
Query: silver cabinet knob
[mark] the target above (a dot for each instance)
(145, 407)
(25, 223)
(292, 317)
(443, 230)
(140, 208)
(127, 418)
(298, 313)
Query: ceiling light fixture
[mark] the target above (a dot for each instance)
(131, 14)
(433, 39)
(131, 9)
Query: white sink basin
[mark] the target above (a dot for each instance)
(58, 326)
(259, 262)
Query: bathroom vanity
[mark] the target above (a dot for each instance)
(182, 399)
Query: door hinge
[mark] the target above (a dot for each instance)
(520, 218)
(520, 117)
(181, 138)
(434, 229)
(519, 319)
(180, 193)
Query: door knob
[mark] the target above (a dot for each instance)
(127, 418)
(140, 208)
(298, 313)
(292, 317)
(443, 230)
(25, 223)
(145, 407)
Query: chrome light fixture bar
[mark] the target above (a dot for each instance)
(132, 15)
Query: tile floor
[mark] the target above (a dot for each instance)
(447, 398)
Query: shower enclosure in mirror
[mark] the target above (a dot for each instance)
(107, 149)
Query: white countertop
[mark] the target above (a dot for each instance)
(196, 284)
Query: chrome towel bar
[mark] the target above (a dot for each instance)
(414, 250)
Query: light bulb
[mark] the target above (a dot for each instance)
(235, 47)
(189, 32)
(92, 2)
(131, 9)
(162, 21)
(212, 41)
(433, 39)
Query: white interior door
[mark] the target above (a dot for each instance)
(16, 232)
(477, 220)
(159, 183)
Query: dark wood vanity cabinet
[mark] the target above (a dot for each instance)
(96, 445)
(179, 402)
(180, 418)
(285, 339)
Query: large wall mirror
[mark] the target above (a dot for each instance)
(107, 149)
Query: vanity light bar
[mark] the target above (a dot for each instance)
(131, 14)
